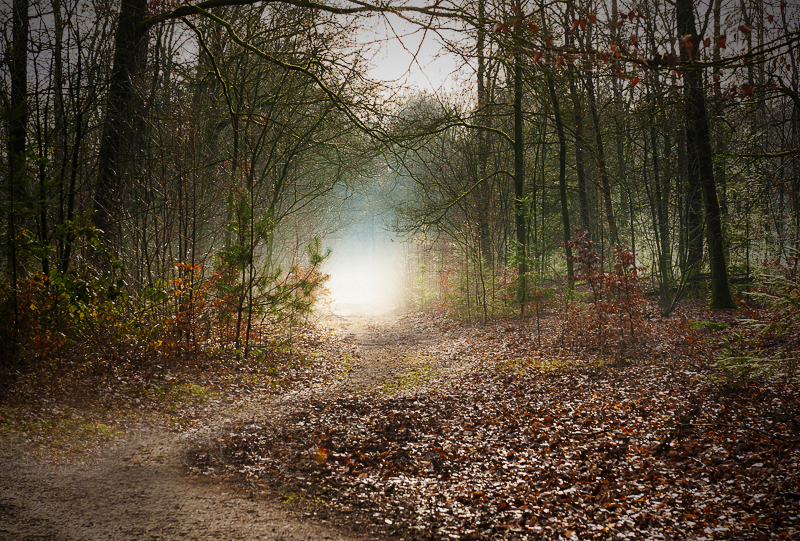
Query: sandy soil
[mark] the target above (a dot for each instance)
(140, 489)
(138, 492)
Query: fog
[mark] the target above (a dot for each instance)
(365, 268)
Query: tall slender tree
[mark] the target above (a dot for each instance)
(698, 147)
(17, 116)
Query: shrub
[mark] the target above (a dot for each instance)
(63, 308)
(612, 313)
(770, 341)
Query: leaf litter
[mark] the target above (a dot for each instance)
(418, 428)
(498, 437)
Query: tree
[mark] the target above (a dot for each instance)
(130, 56)
(519, 187)
(562, 180)
(17, 125)
(701, 164)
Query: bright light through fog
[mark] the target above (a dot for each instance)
(365, 269)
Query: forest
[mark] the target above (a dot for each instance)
(595, 191)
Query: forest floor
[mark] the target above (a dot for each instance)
(409, 427)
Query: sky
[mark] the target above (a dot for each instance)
(397, 42)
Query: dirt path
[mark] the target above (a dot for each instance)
(140, 490)
(383, 346)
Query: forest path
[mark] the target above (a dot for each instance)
(385, 345)
(140, 489)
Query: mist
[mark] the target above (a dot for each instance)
(365, 268)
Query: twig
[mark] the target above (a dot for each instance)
(698, 461)
(600, 433)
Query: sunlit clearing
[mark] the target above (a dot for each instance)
(365, 270)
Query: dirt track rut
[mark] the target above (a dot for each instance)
(139, 491)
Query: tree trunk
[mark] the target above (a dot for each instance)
(717, 112)
(583, 198)
(17, 128)
(562, 181)
(661, 218)
(601, 162)
(691, 212)
(701, 165)
(129, 58)
(577, 112)
(484, 190)
(519, 186)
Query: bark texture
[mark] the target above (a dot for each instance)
(701, 165)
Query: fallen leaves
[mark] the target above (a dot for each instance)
(486, 433)
(647, 450)
(71, 404)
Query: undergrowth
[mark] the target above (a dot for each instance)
(610, 316)
(768, 341)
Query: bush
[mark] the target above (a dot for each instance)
(612, 313)
(53, 311)
(770, 341)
